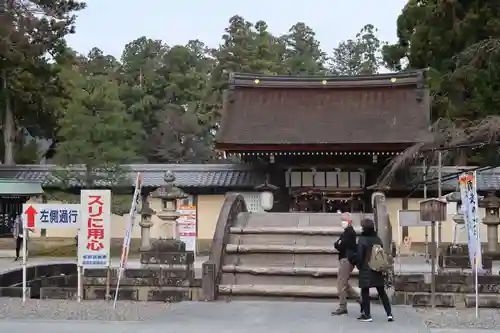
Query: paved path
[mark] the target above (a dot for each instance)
(463, 330)
(236, 317)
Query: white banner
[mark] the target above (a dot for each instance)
(94, 236)
(468, 192)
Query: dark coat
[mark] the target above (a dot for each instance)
(368, 278)
(346, 244)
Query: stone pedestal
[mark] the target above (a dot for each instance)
(491, 205)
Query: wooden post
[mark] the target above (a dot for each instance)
(433, 210)
(108, 283)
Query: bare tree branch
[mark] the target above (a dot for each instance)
(445, 136)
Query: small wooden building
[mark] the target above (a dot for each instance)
(322, 141)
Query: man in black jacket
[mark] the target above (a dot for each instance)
(347, 247)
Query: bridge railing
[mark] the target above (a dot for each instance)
(233, 205)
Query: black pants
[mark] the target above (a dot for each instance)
(19, 245)
(365, 300)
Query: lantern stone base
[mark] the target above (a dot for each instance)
(453, 289)
(456, 256)
(166, 251)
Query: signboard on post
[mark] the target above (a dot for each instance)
(94, 237)
(186, 226)
(51, 216)
(46, 216)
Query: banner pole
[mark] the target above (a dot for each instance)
(128, 233)
(476, 282)
(25, 287)
(120, 270)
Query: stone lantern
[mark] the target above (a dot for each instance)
(169, 194)
(458, 217)
(159, 251)
(266, 195)
(491, 204)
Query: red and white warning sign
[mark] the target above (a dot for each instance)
(186, 226)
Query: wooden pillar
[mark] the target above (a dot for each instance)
(281, 195)
(404, 206)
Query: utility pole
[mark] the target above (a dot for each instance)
(424, 166)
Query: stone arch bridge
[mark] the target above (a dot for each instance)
(279, 255)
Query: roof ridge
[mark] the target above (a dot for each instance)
(412, 78)
(381, 76)
(135, 167)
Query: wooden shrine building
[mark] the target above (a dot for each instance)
(322, 141)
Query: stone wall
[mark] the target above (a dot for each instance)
(167, 275)
(454, 289)
(166, 284)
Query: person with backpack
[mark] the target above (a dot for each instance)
(372, 264)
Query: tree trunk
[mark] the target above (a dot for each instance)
(461, 157)
(8, 127)
(88, 177)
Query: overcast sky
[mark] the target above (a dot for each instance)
(110, 24)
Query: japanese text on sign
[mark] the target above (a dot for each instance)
(60, 215)
(95, 227)
(94, 235)
(51, 216)
(469, 185)
(468, 193)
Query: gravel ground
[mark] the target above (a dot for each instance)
(460, 318)
(12, 308)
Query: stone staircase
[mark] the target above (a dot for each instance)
(282, 255)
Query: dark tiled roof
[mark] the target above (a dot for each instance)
(343, 111)
(187, 175)
(487, 180)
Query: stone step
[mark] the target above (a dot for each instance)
(280, 280)
(306, 276)
(291, 271)
(282, 259)
(293, 249)
(301, 220)
(312, 231)
(282, 239)
(285, 291)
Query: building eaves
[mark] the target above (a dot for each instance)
(187, 175)
(413, 78)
